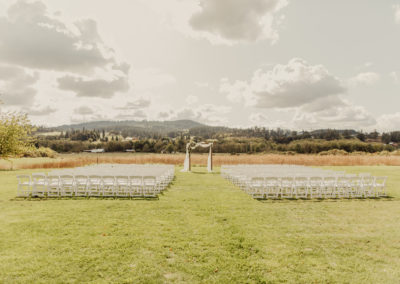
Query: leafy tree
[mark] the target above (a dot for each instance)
(361, 136)
(347, 134)
(373, 135)
(170, 148)
(146, 148)
(15, 130)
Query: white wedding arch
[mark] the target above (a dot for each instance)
(187, 167)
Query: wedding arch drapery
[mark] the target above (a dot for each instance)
(189, 147)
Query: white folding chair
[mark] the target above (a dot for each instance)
(39, 188)
(24, 186)
(315, 185)
(300, 187)
(331, 189)
(53, 185)
(355, 186)
(257, 187)
(122, 186)
(149, 186)
(380, 186)
(272, 187)
(287, 187)
(136, 186)
(367, 186)
(343, 188)
(93, 186)
(81, 184)
(67, 185)
(108, 186)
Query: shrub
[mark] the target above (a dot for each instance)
(358, 153)
(335, 152)
(396, 153)
(46, 152)
(384, 153)
(32, 152)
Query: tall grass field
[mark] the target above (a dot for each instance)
(202, 229)
(76, 160)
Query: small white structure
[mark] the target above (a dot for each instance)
(95, 151)
(187, 167)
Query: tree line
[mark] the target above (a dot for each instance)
(18, 138)
(227, 145)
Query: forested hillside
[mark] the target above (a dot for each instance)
(172, 136)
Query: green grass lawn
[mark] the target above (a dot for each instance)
(201, 230)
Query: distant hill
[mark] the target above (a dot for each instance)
(153, 129)
(161, 127)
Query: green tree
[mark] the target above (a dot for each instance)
(361, 136)
(170, 148)
(15, 130)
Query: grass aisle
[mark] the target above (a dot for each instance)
(201, 230)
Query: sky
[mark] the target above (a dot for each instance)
(305, 65)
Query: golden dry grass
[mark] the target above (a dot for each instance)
(76, 160)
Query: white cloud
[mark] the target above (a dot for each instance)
(165, 115)
(329, 112)
(32, 37)
(87, 118)
(84, 110)
(396, 9)
(138, 103)
(388, 122)
(134, 109)
(237, 91)
(324, 103)
(207, 113)
(337, 113)
(260, 119)
(314, 95)
(133, 115)
(41, 111)
(230, 21)
(223, 21)
(93, 87)
(17, 85)
(366, 78)
(292, 85)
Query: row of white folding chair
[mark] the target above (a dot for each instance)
(256, 173)
(107, 186)
(304, 187)
(66, 185)
(109, 172)
(279, 168)
(123, 186)
(349, 185)
(115, 169)
(237, 178)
